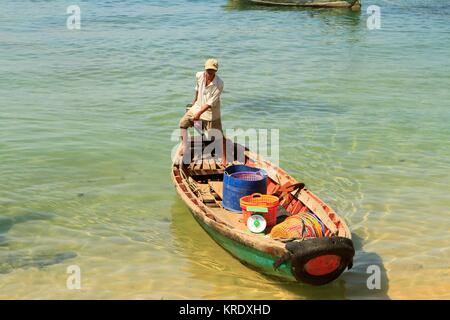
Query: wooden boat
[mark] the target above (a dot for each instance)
(199, 182)
(354, 4)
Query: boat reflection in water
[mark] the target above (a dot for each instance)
(348, 23)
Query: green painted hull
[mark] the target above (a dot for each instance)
(258, 260)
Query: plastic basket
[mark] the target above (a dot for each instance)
(259, 200)
(248, 176)
(240, 181)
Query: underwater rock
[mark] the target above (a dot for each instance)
(20, 261)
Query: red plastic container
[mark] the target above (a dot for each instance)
(262, 201)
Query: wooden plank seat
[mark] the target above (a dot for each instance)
(205, 167)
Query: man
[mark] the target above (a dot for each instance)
(206, 104)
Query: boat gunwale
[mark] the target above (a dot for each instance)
(330, 4)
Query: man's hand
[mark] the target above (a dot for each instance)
(203, 109)
(197, 116)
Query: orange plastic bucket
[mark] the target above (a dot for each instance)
(257, 203)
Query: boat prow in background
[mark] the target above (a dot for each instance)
(353, 4)
(314, 260)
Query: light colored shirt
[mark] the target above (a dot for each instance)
(209, 95)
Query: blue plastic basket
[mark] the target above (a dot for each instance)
(248, 176)
(240, 181)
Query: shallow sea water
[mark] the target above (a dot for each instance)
(86, 131)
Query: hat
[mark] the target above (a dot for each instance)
(211, 64)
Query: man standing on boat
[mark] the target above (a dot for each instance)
(205, 106)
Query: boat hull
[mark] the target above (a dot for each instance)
(291, 260)
(251, 257)
(311, 3)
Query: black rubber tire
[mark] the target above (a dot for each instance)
(303, 251)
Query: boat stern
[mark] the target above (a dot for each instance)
(318, 261)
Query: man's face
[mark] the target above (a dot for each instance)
(211, 73)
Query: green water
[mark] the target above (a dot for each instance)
(86, 119)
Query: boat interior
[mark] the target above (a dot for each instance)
(203, 173)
